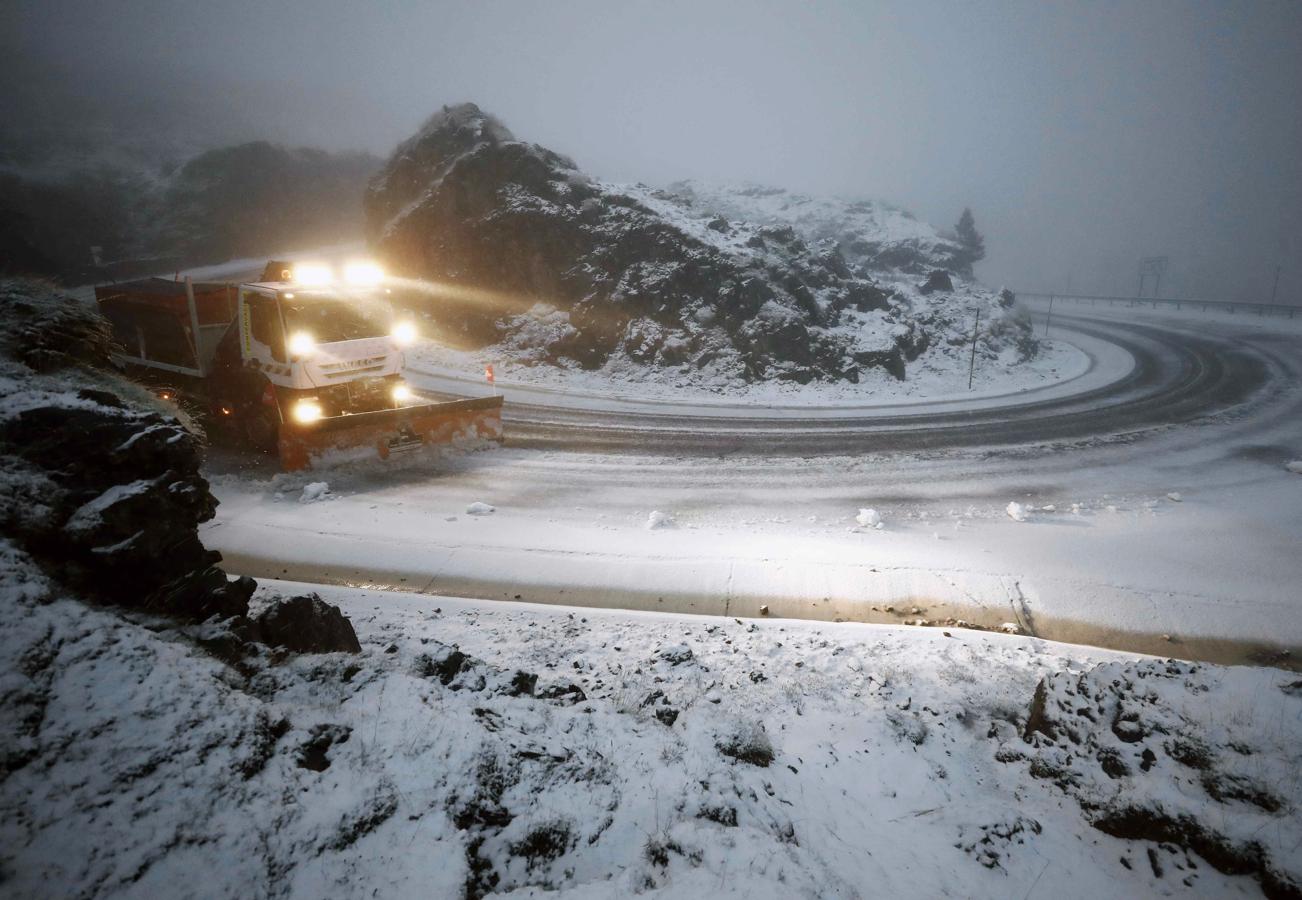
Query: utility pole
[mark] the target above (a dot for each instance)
(1050, 317)
(971, 368)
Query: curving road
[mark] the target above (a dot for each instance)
(1176, 377)
(1163, 517)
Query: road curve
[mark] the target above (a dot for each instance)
(1178, 376)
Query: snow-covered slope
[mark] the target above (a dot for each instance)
(480, 748)
(534, 262)
(875, 238)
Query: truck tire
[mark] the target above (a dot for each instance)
(262, 430)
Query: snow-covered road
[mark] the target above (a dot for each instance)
(762, 510)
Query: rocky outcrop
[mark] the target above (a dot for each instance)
(105, 491)
(523, 250)
(103, 488)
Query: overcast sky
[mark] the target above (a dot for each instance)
(1083, 136)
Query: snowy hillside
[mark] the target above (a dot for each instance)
(531, 262)
(110, 205)
(482, 748)
(875, 238)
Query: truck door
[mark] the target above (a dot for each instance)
(262, 336)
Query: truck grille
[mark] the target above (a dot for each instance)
(352, 367)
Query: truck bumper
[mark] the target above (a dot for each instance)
(390, 432)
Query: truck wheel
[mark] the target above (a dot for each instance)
(261, 431)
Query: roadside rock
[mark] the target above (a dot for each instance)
(305, 624)
(202, 594)
(746, 742)
(105, 490)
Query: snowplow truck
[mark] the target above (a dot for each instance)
(299, 363)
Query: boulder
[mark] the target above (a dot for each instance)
(203, 594)
(305, 624)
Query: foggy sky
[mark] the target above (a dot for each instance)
(1083, 136)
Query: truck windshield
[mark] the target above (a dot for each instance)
(330, 318)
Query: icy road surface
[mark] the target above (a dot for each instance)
(1159, 512)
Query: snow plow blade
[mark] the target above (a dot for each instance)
(390, 432)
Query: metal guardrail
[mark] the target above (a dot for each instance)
(1231, 306)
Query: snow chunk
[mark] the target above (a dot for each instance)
(1174, 497)
(869, 518)
(479, 508)
(659, 519)
(317, 490)
(1016, 511)
(1295, 466)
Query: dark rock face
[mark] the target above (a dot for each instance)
(203, 594)
(938, 280)
(528, 250)
(120, 492)
(106, 493)
(305, 624)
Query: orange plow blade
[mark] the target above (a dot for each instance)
(390, 432)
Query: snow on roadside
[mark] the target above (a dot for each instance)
(477, 745)
(315, 492)
(869, 518)
(658, 519)
(933, 377)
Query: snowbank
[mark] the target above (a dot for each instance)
(494, 747)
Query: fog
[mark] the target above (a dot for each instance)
(1083, 136)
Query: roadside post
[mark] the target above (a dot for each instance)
(971, 368)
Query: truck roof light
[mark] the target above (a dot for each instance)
(310, 274)
(363, 273)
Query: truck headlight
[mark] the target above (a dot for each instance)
(404, 334)
(400, 393)
(363, 273)
(312, 274)
(301, 344)
(306, 412)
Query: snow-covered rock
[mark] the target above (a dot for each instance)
(618, 277)
(1294, 466)
(869, 518)
(314, 492)
(1016, 511)
(658, 519)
